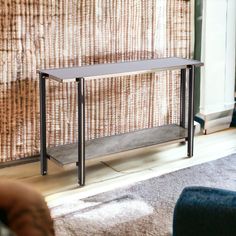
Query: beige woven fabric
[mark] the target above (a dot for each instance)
(48, 34)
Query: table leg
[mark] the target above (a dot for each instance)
(182, 97)
(81, 132)
(43, 147)
(190, 110)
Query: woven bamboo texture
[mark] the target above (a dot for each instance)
(49, 33)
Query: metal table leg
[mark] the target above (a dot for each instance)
(43, 148)
(81, 132)
(190, 110)
(182, 97)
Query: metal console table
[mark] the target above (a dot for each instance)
(75, 153)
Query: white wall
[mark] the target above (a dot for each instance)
(218, 54)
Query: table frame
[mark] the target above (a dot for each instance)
(81, 118)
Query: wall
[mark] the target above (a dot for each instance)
(197, 51)
(218, 54)
(48, 34)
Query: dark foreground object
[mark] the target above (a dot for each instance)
(23, 211)
(205, 212)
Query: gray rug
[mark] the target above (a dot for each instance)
(145, 208)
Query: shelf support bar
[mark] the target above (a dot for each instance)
(191, 110)
(182, 97)
(43, 133)
(81, 132)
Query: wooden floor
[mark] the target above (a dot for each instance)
(124, 168)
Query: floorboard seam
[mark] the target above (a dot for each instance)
(104, 163)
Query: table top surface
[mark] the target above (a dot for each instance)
(119, 69)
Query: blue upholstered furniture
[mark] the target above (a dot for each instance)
(202, 211)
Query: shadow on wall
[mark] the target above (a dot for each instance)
(19, 111)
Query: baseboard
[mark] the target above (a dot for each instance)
(214, 122)
(19, 162)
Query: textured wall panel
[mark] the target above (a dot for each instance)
(48, 34)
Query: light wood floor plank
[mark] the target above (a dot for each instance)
(124, 168)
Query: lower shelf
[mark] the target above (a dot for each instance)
(67, 154)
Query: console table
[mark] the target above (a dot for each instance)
(77, 153)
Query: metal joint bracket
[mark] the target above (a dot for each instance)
(43, 75)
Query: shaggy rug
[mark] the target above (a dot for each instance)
(144, 208)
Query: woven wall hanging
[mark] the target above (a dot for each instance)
(48, 34)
